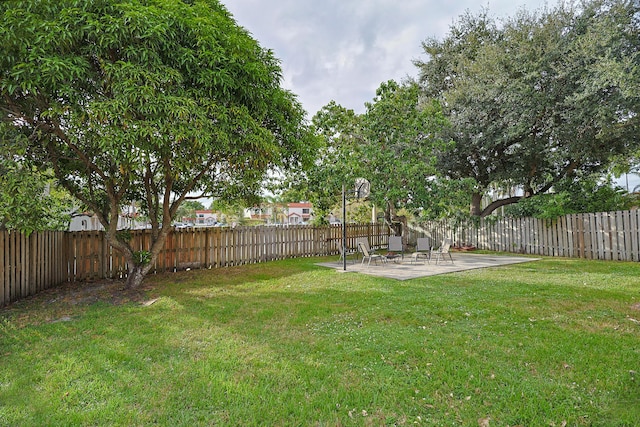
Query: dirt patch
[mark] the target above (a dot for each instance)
(108, 291)
(62, 303)
(636, 306)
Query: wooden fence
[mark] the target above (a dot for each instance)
(30, 264)
(604, 236)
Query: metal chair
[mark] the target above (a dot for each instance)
(364, 241)
(423, 250)
(367, 255)
(443, 250)
(350, 251)
(395, 245)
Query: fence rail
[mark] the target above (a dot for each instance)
(30, 264)
(603, 236)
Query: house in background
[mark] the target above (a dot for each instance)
(206, 218)
(292, 213)
(299, 213)
(86, 221)
(261, 213)
(129, 218)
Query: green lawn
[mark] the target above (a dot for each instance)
(548, 343)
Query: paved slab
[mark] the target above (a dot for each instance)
(404, 269)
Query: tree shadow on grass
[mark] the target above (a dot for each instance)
(69, 299)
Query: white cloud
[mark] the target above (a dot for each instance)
(343, 49)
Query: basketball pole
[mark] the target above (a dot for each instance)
(344, 228)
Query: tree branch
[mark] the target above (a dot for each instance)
(499, 203)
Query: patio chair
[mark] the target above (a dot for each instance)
(443, 250)
(395, 245)
(350, 251)
(364, 241)
(423, 250)
(367, 255)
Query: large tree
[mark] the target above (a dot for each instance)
(391, 146)
(547, 95)
(155, 101)
(338, 133)
(400, 131)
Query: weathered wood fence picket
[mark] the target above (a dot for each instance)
(30, 264)
(604, 236)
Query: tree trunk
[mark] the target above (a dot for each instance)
(396, 223)
(136, 276)
(137, 271)
(391, 219)
(137, 268)
(476, 208)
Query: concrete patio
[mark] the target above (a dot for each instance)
(404, 269)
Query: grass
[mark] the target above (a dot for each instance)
(549, 343)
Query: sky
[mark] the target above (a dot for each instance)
(342, 50)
